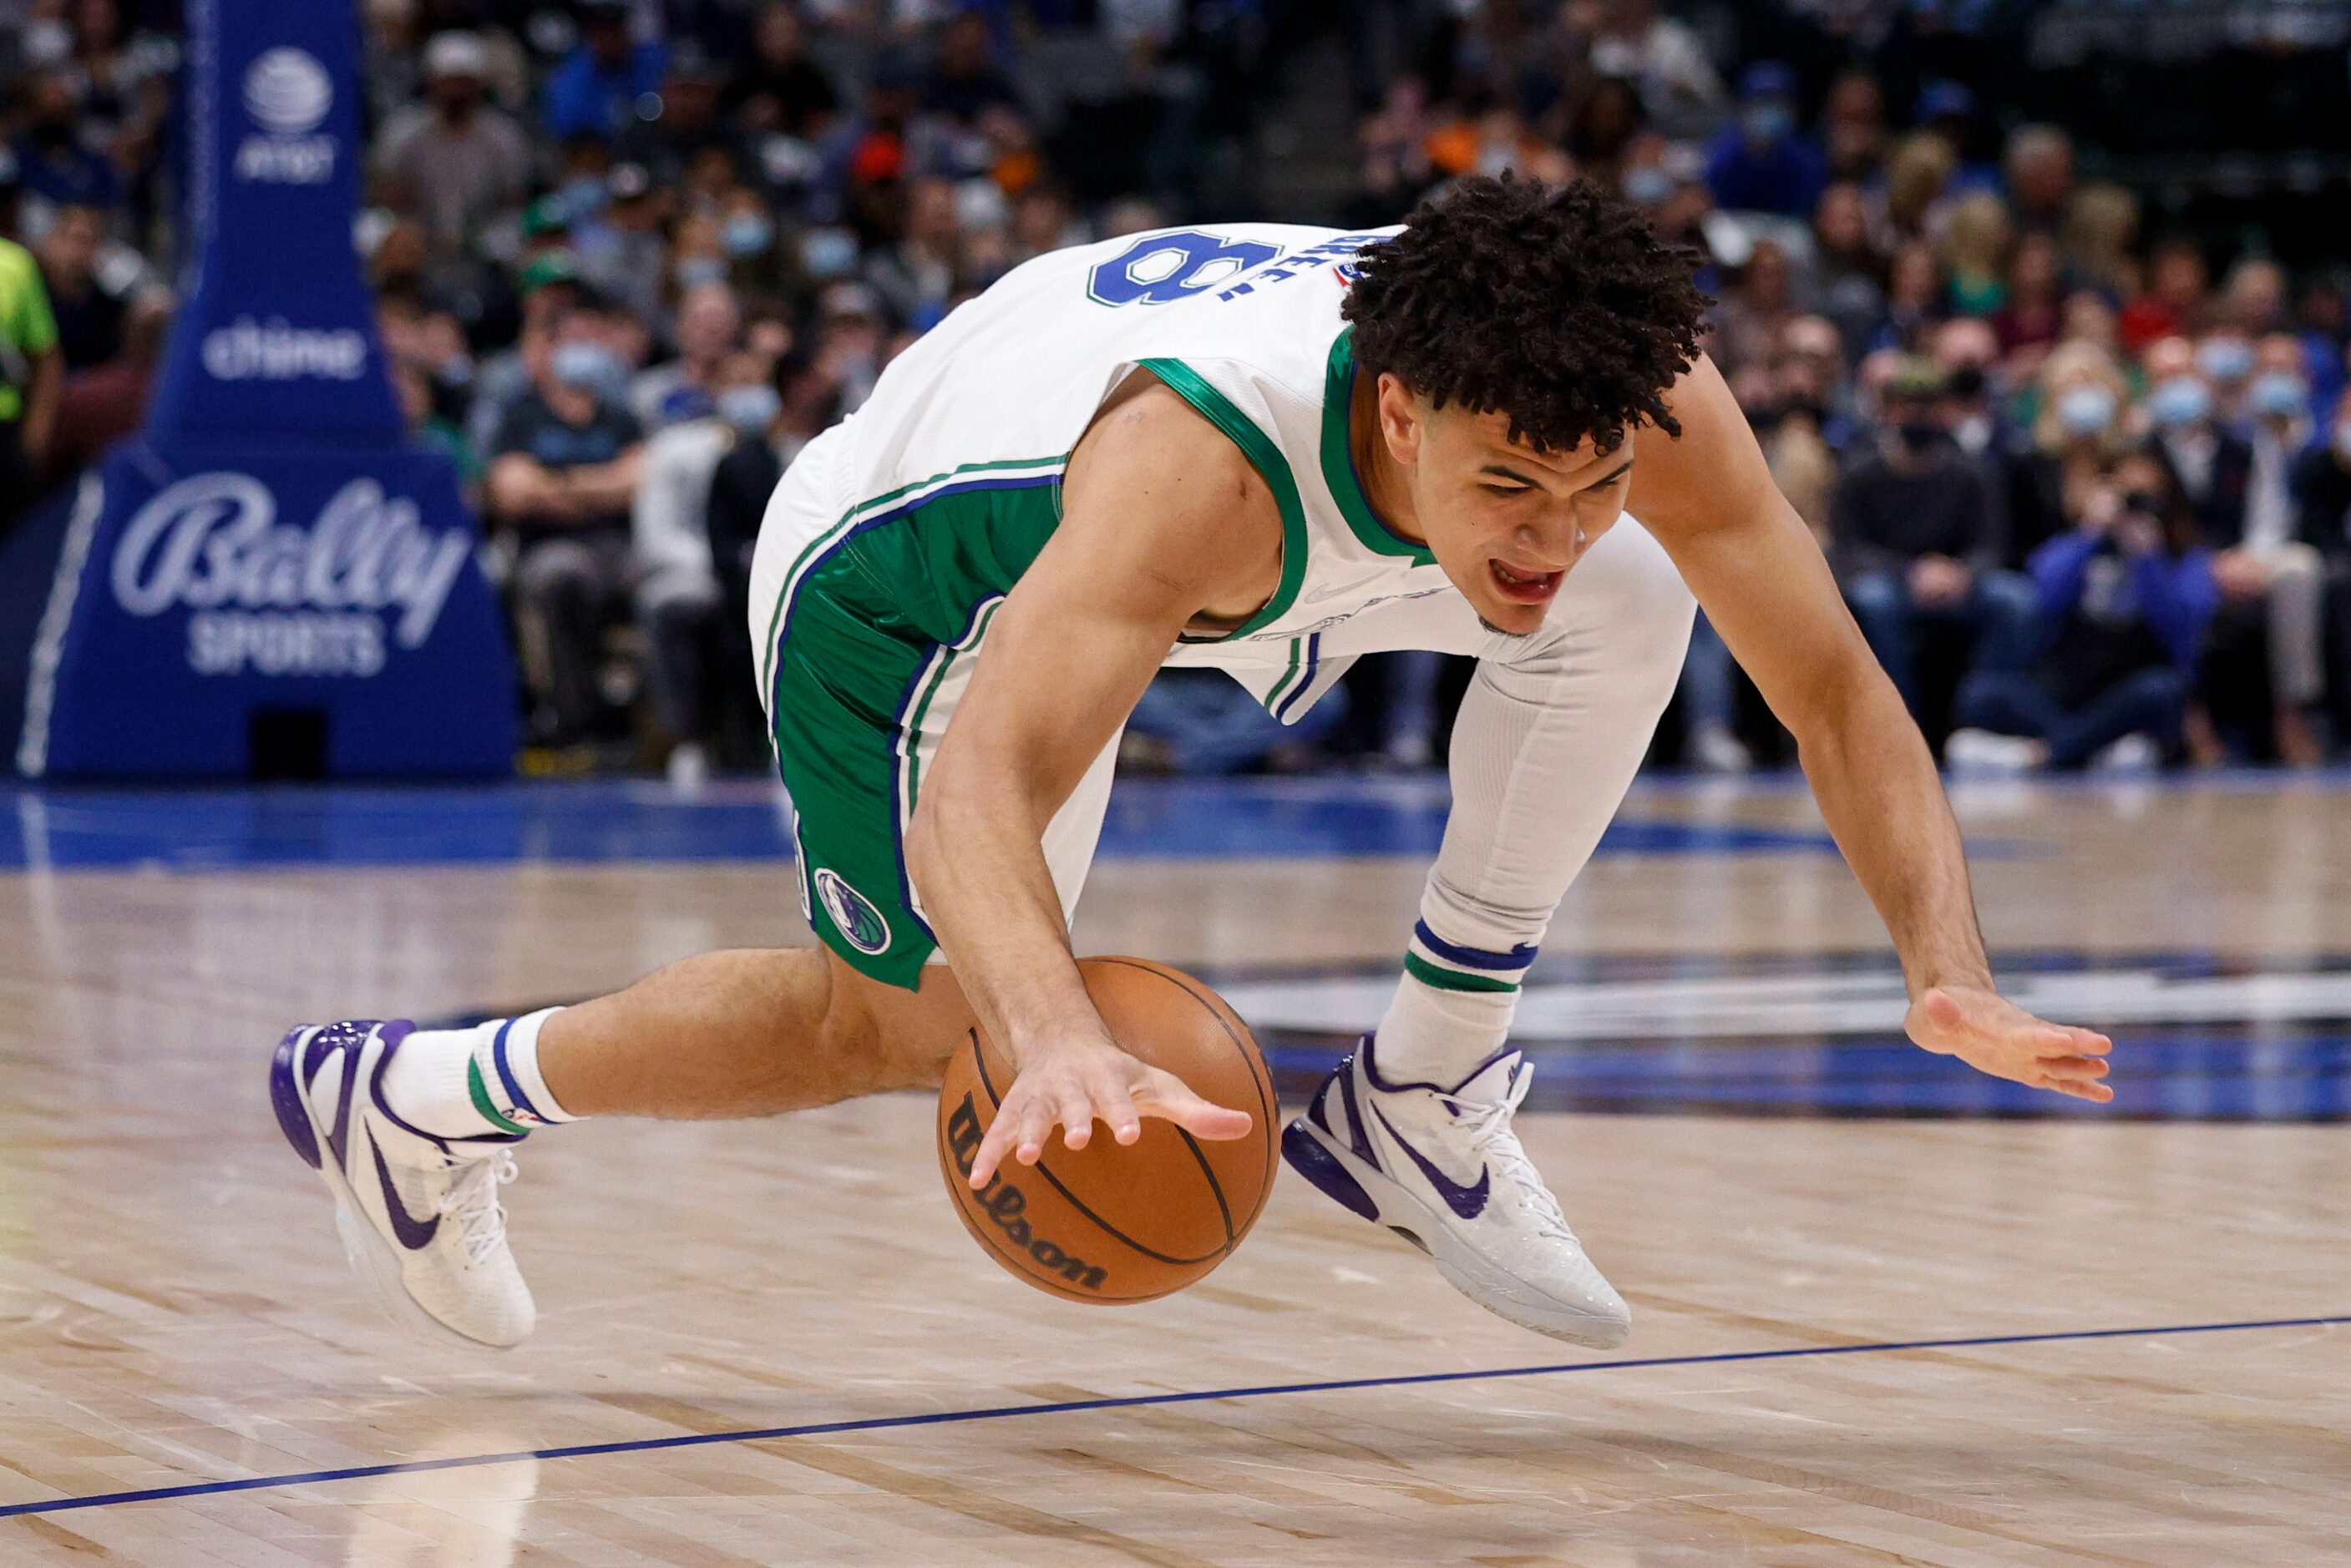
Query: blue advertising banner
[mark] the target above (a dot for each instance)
(272, 547)
(275, 341)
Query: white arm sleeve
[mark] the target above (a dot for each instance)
(1547, 742)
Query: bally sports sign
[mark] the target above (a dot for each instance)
(272, 555)
(281, 599)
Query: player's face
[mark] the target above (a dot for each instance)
(1506, 523)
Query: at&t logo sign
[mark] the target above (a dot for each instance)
(288, 95)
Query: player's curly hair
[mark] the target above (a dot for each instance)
(1556, 305)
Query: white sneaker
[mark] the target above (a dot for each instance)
(688, 768)
(1442, 1169)
(1717, 751)
(1981, 753)
(2133, 753)
(418, 1216)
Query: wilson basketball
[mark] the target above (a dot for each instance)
(1110, 1222)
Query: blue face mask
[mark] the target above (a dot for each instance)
(580, 195)
(748, 234)
(1647, 186)
(586, 366)
(694, 271)
(751, 409)
(2181, 400)
(1766, 121)
(828, 253)
(2085, 409)
(2277, 394)
(2225, 358)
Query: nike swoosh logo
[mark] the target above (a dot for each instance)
(413, 1235)
(1467, 1201)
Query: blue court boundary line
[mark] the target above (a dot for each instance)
(1126, 1402)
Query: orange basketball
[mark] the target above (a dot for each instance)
(1110, 1222)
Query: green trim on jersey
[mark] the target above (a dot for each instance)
(1339, 463)
(1265, 456)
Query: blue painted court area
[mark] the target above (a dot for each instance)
(2216, 1075)
(618, 822)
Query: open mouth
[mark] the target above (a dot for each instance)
(1524, 587)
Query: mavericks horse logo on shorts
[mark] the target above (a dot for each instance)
(860, 923)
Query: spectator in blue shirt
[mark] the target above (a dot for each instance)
(2125, 597)
(1760, 162)
(597, 91)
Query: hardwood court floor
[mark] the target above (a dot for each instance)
(175, 1311)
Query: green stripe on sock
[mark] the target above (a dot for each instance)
(480, 1091)
(1427, 973)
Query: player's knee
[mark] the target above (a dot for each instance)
(873, 1038)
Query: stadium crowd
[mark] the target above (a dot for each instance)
(2085, 480)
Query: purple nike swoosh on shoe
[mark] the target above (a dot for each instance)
(412, 1234)
(1468, 1202)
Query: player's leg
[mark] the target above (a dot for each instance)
(750, 1033)
(413, 1130)
(1414, 1130)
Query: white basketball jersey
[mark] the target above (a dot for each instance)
(1240, 319)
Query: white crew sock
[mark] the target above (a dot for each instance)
(472, 1083)
(1452, 1010)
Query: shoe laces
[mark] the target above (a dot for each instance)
(1487, 1123)
(472, 1202)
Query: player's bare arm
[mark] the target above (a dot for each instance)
(1164, 526)
(1762, 581)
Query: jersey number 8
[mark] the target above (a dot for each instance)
(1162, 268)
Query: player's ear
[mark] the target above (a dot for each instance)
(1404, 419)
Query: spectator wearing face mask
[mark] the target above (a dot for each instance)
(1760, 160)
(1915, 533)
(561, 477)
(2225, 359)
(2122, 596)
(2214, 464)
(2271, 580)
(2079, 432)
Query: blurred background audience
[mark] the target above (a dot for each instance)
(2038, 311)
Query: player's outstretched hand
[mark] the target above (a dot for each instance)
(1071, 1086)
(1994, 1035)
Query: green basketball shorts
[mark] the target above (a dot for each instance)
(868, 617)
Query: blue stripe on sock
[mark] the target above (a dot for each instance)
(1519, 957)
(505, 1074)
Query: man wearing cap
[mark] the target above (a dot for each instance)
(465, 159)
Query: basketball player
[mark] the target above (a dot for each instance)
(1268, 449)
